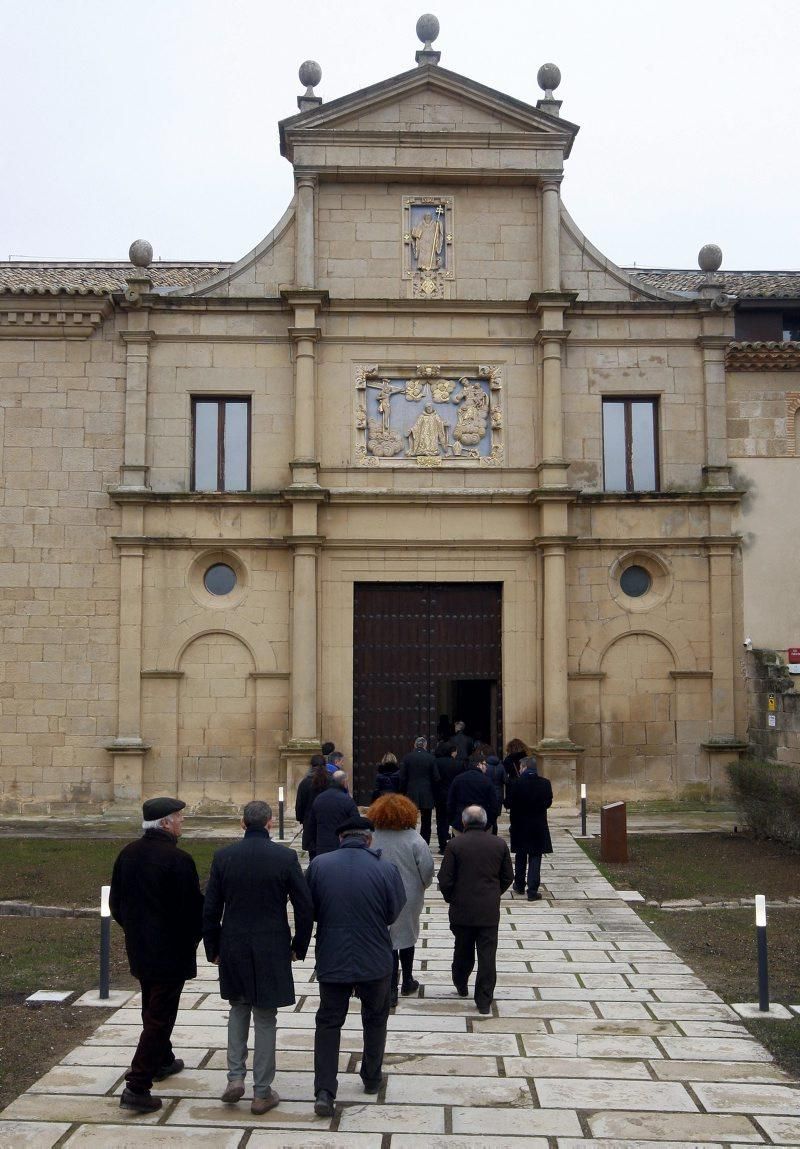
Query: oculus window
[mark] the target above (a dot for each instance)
(219, 579)
(220, 444)
(630, 444)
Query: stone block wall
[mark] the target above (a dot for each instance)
(766, 677)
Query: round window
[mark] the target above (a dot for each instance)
(635, 581)
(219, 579)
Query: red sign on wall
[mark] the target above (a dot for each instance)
(793, 654)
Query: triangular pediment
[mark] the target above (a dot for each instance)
(428, 100)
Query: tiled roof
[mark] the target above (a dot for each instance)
(743, 284)
(768, 356)
(96, 278)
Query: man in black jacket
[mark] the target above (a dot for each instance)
(357, 895)
(328, 810)
(418, 780)
(472, 788)
(528, 803)
(156, 898)
(449, 766)
(254, 948)
(475, 873)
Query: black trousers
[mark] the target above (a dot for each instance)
(527, 866)
(468, 941)
(425, 824)
(334, 998)
(160, 1001)
(404, 958)
(442, 823)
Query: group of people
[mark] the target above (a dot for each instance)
(364, 888)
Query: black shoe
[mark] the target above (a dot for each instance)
(518, 889)
(324, 1104)
(462, 991)
(373, 1086)
(537, 897)
(169, 1070)
(485, 1009)
(141, 1102)
(409, 987)
(393, 999)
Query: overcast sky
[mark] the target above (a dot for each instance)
(158, 118)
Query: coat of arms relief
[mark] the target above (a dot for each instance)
(428, 245)
(431, 417)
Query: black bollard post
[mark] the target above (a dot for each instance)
(105, 943)
(761, 936)
(280, 812)
(583, 809)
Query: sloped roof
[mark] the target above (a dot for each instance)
(743, 284)
(97, 278)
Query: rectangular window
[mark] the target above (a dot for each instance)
(220, 444)
(630, 444)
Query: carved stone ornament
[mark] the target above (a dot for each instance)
(428, 245)
(428, 417)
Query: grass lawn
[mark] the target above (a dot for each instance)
(57, 953)
(720, 944)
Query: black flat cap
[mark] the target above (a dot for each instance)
(356, 824)
(155, 808)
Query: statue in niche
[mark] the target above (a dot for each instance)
(473, 413)
(427, 240)
(428, 434)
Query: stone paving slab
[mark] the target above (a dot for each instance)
(599, 1036)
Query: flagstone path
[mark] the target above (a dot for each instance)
(599, 1036)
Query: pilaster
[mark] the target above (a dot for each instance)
(716, 472)
(551, 235)
(138, 339)
(305, 244)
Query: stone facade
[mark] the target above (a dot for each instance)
(125, 676)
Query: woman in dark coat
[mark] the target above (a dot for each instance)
(516, 750)
(528, 803)
(387, 780)
(317, 780)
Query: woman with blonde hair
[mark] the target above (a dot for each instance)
(395, 818)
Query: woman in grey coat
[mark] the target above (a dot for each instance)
(395, 817)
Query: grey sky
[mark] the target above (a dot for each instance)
(158, 118)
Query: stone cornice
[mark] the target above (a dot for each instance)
(139, 495)
(138, 336)
(58, 318)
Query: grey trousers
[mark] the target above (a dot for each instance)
(264, 1023)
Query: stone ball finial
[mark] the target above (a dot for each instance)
(310, 73)
(140, 253)
(709, 257)
(548, 77)
(427, 28)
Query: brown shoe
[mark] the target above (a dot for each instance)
(234, 1091)
(261, 1105)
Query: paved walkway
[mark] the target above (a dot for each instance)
(599, 1036)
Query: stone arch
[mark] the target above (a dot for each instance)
(216, 721)
(595, 651)
(638, 716)
(185, 633)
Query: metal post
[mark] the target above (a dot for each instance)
(583, 809)
(761, 936)
(105, 942)
(280, 812)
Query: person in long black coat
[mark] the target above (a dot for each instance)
(316, 780)
(254, 947)
(328, 810)
(418, 778)
(530, 798)
(156, 898)
(449, 766)
(472, 788)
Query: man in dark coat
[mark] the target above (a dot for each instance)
(328, 810)
(156, 898)
(247, 891)
(462, 741)
(357, 895)
(475, 873)
(528, 803)
(471, 788)
(449, 766)
(418, 779)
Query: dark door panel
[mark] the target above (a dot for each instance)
(410, 640)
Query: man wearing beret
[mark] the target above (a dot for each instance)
(156, 898)
(357, 895)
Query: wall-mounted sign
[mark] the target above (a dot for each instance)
(771, 720)
(793, 658)
(772, 705)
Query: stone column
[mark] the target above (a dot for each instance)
(304, 465)
(551, 236)
(137, 346)
(305, 248)
(716, 472)
(553, 462)
(554, 644)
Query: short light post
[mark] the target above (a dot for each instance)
(105, 942)
(280, 812)
(761, 936)
(583, 809)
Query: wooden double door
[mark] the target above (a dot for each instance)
(423, 652)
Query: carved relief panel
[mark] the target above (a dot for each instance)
(428, 260)
(432, 416)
